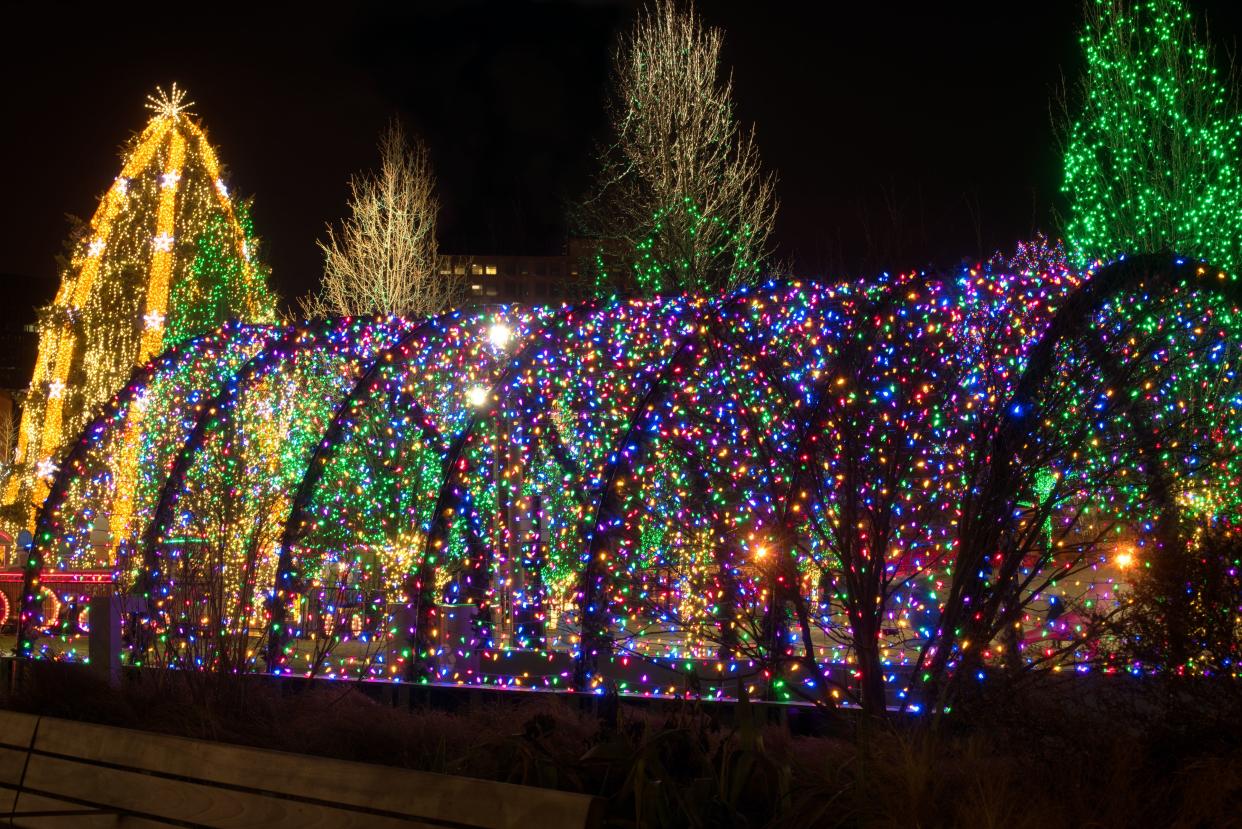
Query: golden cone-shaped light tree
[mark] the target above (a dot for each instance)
(167, 255)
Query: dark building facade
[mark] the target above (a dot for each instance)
(510, 278)
(535, 279)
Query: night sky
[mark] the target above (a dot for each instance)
(903, 134)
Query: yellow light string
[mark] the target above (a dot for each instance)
(126, 467)
(42, 429)
(126, 477)
(156, 306)
(42, 434)
(162, 257)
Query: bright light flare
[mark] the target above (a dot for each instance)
(499, 335)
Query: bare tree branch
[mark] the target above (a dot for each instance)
(681, 193)
(385, 258)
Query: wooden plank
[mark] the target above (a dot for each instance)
(435, 797)
(27, 802)
(16, 733)
(35, 803)
(12, 761)
(160, 797)
(17, 730)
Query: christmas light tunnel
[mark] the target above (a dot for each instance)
(567, 497)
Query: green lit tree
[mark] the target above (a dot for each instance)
(681, 201)
(1152, 157)
(225, 278)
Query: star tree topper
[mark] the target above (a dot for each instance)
(168, 104)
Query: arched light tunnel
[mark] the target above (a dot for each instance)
(541, 496)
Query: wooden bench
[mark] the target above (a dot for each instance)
(63, 773)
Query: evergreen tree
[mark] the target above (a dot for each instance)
(1152, 159)
(225, 277)
(681, 201)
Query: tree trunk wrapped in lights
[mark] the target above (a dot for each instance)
(167, 255)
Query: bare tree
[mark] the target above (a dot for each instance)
(8, 445)
(681, 200)
(384, 258)
(211, 614)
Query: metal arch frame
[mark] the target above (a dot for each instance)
(592, 630)
(586, 663)
(139, 380)
(325, 449)
(331, 438)
(810, 429)
(996, 477)
(995, 504)
(420, 583)
(296, 338)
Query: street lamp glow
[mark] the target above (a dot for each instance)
(1125, 559)
(478, 396)
(499, 335)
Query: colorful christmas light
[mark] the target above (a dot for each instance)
(792, 487)
(165, 257)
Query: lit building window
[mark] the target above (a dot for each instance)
(490, 270)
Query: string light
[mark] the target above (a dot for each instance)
(167, 198)
(650, 478)
(1152, 161)
(499, 335)
(168, 105)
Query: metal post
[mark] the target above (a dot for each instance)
(105, 644)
